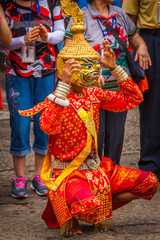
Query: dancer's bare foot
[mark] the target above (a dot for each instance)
(75, 230)
(104, 226)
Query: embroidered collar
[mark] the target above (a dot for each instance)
(96, 14)
(84, 99)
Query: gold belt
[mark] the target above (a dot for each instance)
(89, 164)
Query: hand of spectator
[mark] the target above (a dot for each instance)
(108, 60)
(43, 33)
(69, 68)
(100, 81)
(143, 56)
(32, 35)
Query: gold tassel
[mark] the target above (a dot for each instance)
(66, 226)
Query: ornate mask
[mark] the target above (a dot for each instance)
(79, 49)
(89, 73)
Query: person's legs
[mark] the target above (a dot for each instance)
(128, 184)
(19, 165)
(81, 200)
(114, 135)
(150, 110)
(18, 91)
(42, 88)
(123, 197)
(101, 132)
(39, 158)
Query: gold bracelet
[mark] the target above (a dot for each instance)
(62, 90)
(59, 95)
(119, 74)
(66, 85)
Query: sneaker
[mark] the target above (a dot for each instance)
(38, 185)
(19, 187)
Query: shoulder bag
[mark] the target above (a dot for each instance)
(137, 72)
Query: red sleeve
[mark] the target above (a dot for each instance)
(51, 119)
(127, 98)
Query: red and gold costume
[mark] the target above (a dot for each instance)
(81, 186)
(84, 193)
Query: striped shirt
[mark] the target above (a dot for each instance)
(18, 17)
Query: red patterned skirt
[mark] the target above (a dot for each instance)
(87, 195)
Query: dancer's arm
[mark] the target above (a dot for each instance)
(129, 96)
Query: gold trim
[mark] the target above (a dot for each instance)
(78, 160)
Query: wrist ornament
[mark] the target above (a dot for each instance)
(119, 74)
(62, 90)
(60, 94)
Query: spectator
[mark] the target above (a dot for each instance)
(6, 35)
(111, 125)
(146, 14)
(30, 75)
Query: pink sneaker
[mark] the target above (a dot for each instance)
(19, 187)
(38, 185)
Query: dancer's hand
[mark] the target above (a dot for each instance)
(108, 60)
(69, 68)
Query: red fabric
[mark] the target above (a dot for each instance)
(77, 190)
(85, 203)
(143, 85)
(95, 204)
(122, 179)
(49, 216)
(68, 132)
(1, 105)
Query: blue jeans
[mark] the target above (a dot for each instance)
(24, 93)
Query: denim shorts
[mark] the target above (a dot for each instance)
(24, 93)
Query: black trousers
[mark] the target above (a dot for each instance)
(111, 134)
(150, 107)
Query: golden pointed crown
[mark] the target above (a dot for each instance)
(78, 48)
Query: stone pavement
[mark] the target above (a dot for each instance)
(21, 219)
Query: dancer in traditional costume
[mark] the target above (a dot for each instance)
(82, 187)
